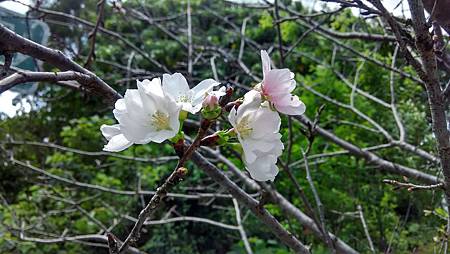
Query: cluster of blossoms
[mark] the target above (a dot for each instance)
(153, 111)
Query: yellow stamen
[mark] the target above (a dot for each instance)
(161, 121)
(184, 98)
(243, 127)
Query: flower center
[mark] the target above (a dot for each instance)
(161, 121)
(264, 94)
(243, 127)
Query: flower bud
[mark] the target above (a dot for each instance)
(219, 138)
(210, 102)
(211, 108)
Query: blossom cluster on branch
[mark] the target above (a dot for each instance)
(155, 111)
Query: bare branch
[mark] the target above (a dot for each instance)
(12, 42)
(412, 187)
(93, 33)
(241, 228)
(268, 219)
(366, 230)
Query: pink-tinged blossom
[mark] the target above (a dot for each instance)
(277, 87)
(145, 115)
(257, 127)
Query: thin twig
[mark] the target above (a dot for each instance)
(189, 33)
(241, 227)
(366, 229)
(413, 187)
(93, 34)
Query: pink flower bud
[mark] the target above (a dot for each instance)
(210, 102)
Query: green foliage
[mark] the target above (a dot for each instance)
(395, 218)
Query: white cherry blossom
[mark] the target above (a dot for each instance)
(277, 87)
(191, 100)
(257, 128)
(145, 115)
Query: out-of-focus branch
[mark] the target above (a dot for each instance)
(413, 187)
(241, 229)
(12, 42)
(158, 160)
(284, 204)
(79, 239)
(114, 191)
(370, 157)
(189, 34)
(101, 29)
(438, 9)
(260, 212)
(366, 229)
(93, 33)
(20, 77)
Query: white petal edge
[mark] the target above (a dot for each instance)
(151, 87)
(175, 85)
(296, 107)
(205, 86)
(263, 169)
(117, 143)
(109, 131)
(265, 60)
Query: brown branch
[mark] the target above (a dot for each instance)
(13, 42)
(177, 175)
(101, 29)
(93, 34)
(438, 9)
(370, 157)
(87, 81)
(252, 204)
(281, 201)
(112, 244)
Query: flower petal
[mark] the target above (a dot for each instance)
(117, 143)
(151, 87)
(202, 89)
(264, 168)
(278, 81)
(120, 105)
(265, 123)
(134, 105)
(265, 59)
(232, 117)
(110, 131)
(137, 132)
(175, 85)
(294, 107)
(219, 93)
